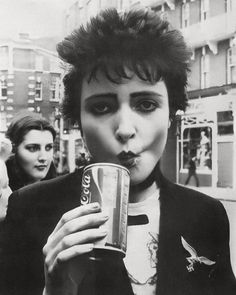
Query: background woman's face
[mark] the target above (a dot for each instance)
(35, 154)
(125, 123)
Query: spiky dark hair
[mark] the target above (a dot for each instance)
(141, 41)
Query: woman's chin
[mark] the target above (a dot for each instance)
(136, 179)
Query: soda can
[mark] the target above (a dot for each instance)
(108, 184)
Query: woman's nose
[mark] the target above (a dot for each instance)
(42, 156)
(125, 127)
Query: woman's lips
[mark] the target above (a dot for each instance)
(128, 159)
(41, 167)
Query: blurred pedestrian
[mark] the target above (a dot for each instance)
(192, 171)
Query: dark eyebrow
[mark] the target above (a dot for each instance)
(144, 93)
(101, 95)
(32, 143)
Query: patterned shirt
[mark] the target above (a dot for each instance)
(142, 245)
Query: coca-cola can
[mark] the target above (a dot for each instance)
(108, 184)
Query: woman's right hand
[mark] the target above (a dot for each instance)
(66, 251)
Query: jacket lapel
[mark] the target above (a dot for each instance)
(171, 268)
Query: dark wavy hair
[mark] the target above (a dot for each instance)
(141, 41)
(22, 123)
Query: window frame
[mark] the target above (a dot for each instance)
(3, 83)
(55, 89)
(38, 87)
(205, 8)
(205, 70)
(185, 14)
(231, 64)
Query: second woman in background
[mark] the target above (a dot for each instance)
(32, 138)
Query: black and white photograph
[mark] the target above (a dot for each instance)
(117, 147)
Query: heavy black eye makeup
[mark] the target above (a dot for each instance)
(32, 147)
(100, 108)
(108, 103)
(145, 101)
(101, 104)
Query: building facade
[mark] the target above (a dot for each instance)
(30, 78)
(207, 129)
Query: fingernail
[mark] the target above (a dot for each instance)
(95, 205)
(103, 233)
(104, 217)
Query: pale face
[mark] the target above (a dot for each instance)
(35, 154)
(126, 123)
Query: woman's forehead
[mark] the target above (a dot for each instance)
(101, 84)
(38, 136)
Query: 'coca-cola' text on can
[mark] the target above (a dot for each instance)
(108, 184)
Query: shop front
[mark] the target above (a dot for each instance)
(206, 143)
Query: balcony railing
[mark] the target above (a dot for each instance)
(213, 29)
(153, 3)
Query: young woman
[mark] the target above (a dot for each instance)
(127, 79)
(32, 138)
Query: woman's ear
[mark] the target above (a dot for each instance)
(169, 123)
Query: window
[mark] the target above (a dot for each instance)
(205, 64)
(225, 123)
(204, 9)
(38, 89)
(185, 15)
(225, 164)
(3, 93)
(232, 65)
(55, 89)
(197, 143)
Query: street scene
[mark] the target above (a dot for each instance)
(37, 72)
